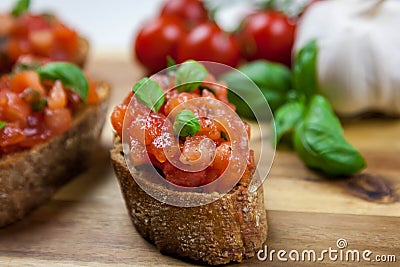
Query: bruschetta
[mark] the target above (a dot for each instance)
(226, 225)
(51, 117)
(44, 35)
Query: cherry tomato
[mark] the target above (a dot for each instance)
(192, 12)
(208, 42)
(267, 35)
(157, 40)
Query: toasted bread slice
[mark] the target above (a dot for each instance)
(30, 177)
(230, 229)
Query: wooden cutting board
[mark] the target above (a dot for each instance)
(86, 223)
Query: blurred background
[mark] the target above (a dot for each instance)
(109, 25)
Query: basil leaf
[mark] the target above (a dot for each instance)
(190, 75)
(320, 112)
(20, 7)
(39, 105)
(70, 75)
(34, 98)
(320, 142)
(186, 123)
(273, 79)
(149, 93)
(2, 124)
(305, 69)
(287, 117)
(170, 62)
(326, 151)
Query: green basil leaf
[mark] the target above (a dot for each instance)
(39, 105)
(287, 117)
(20, 7)
(273, 79)
(70, 75)
(34, 98)
(186, 124)
(170, 62)
(320, 112)
(2, 124)
(190, 75)
(319, 141)
(305, 69)
(149, 93)
(322, 149)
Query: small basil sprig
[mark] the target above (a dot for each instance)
(319, 141)
(189, 76)
(2, 124)
(305, 69)
(70, 75)
(186, 123)
(287, 117)
(20, 7)
(273, 79)
(34, 98)
(149, 93)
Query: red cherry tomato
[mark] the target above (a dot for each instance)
(192, 12)
(267, 35)
(208, 42)
(157, 40)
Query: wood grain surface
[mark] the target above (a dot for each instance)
(86, 223)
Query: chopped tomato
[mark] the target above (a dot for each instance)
(66, 38)
(6, 24)
(57, 97)
(26, 79)
(210, 128)
(176, 100)
(32, 110)
(41, 41)
(11, 134)
(118, 115)
(222, 157)
(40, 35)
(58, 120)
(93, 97)
(14, 109)
(182, 178)
(117, 118)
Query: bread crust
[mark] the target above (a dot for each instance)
(230, 229)
(82, 52)
(30, 177)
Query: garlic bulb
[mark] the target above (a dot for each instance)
(358, 53)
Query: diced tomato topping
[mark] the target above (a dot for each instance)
(58, 120)
(157, 135)
(41, 35)
(210, 128)
(93, 97)
(176, 100)
(41, 41)
(33, 111)
(57, 97)
(182, 178)
(6, 24)
(11, 134)
(117, 118)
(13, 108)
(26, 79)
(222, 157)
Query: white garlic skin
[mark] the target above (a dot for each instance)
(358, 53)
